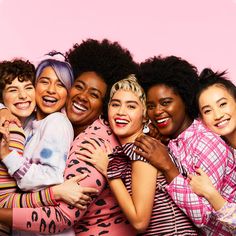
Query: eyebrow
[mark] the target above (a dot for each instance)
(118, 100)
(219, 100)
(12, 86)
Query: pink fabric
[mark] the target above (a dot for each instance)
(198, 147)
(103, 216)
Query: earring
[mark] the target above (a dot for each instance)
(146, 129)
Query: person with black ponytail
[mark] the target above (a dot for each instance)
(216, 99)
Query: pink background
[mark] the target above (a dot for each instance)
(201, 31)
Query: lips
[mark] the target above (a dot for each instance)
(222, 123)
(22, 105)
(49, 101)
(163, 122)
(78, 107)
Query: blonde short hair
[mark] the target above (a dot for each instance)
(130, 84)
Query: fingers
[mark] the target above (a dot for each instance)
(79, 177)
(82, 157)
(108, 148)
(89, 190)
(200, 172)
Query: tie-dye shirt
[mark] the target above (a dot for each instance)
(44, 159)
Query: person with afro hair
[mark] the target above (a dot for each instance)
(171, 84)
(96, 66)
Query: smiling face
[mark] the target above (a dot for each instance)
(166, 110)
(218, 111)
(126, 115)
(19, 98)
(85, 101)
(51, 94)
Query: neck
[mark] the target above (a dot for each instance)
(79, 129)
(130, 139)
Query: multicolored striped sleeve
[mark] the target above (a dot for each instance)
(9, 195)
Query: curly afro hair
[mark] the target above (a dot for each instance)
(107, 59)
(175, 73)
(9, 70)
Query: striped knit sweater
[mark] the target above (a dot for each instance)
(167, 219)
(10, 195)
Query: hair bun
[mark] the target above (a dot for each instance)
(206, 74)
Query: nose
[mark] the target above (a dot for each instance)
(121, 110)
(218, 114)
(158, 110)
(83, 95)
(51, 88)
(22, 94)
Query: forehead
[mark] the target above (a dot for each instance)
(16, 82)
(160, 91)
(125, 95)
(214, 93)
(91, 79)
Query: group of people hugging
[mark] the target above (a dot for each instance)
(94, 143)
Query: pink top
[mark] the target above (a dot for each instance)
(103, 215)
(198, 147)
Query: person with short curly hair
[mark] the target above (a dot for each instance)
(171, 84)
(106, 62)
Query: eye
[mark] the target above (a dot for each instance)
(131, 107)
(114, 104)
(165, 103)
(94, 95)
(150, 106)
(12, 90)
(223, 104)
(78, 86)
(59, 84)
(43, 81)
(30, 87)
(207, 111)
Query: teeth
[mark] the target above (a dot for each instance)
(49, 99)
(121, 121)
(23, 105)
(162, 120)
(222, 123)
(79, 107)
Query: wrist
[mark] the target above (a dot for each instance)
(170, 172)
(55, 190)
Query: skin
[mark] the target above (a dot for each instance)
(125, 115)
(19, 97)
(85, 101)
(218, 111)
(126, 118)
(51, 94)
(167, 112)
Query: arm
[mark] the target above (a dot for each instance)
(138, 206)
(137, 211)
(211, 155)
(47, 155)
(202, 186)
(151, 148)
(64, 216)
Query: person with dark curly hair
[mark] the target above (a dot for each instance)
(171, 84)
(106, 62)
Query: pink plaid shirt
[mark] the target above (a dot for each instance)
(198, 147)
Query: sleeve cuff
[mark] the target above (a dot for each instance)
(13, 161)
